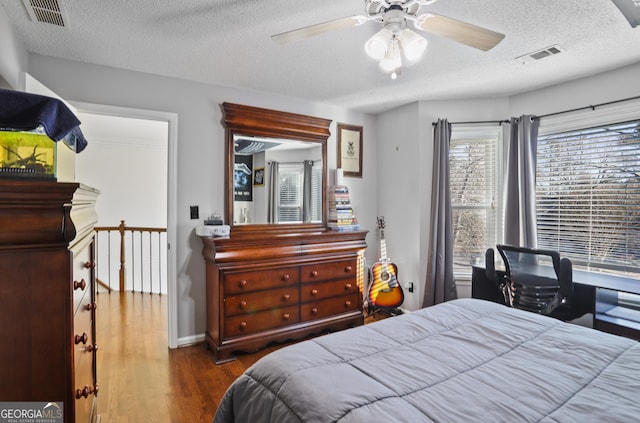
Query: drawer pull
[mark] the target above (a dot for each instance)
(80, 285)
(91, 306)
(89, 264)
(314, 273)
(243, 325)
(286, 277)
(314, 310)
(81, 338)
(243, 304)
(286, 316)
(91, 348)
(286, 297)
(348, 269)
(243, 283)
(314, 292)
(348, 286)
(347, 303)
(86, 391)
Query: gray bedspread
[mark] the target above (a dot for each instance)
(463, 361)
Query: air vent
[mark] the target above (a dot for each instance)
(540, 54)
(45, 11)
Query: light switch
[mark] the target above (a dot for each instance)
(195, 213)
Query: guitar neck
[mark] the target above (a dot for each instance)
(383, 251)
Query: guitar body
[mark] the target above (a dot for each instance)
(384, 289)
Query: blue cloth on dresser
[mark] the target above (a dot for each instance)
(26, 112)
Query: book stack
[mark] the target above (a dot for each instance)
(341, 216)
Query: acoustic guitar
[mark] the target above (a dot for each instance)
(384, 290)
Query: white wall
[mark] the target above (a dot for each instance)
(14, 58)
(200, 173)
(127, 161)
(400, 182)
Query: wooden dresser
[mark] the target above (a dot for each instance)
(270, 286)
(47, 295)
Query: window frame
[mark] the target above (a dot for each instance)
(316, 201)
(584, 119)
(482, 133)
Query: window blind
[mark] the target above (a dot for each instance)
(316, 192)
(290, 208)
(472, 172)
(588, 195)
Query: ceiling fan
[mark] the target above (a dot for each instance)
(394, 37)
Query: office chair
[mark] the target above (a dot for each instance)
(538, 281)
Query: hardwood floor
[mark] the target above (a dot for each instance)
(141, 379)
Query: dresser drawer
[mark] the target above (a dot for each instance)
(235, 283)
(329, 270)
(256, 322)
(85, 389)
(321, 290)
(82, 275)
(83, 343)
(262, 300)
(328, 307)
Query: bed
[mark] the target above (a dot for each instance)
(466, 360)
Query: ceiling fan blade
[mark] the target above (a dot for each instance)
(462, 32)
(630, 9)
(312, 30)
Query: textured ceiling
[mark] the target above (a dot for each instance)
(227, 42)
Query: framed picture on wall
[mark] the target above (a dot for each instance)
(350, 149)
(258, 177)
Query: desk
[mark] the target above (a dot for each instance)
(593, 292)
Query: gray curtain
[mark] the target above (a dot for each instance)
(440, 285)
(273, 192)
(306, 191)
(520, 182)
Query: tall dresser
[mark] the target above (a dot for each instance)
(268, 286)
(47, 296)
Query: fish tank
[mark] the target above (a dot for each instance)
(27, 155)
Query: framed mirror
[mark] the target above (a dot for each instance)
(276, 168)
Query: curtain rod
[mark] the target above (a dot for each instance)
(592, 107)
(476, 122)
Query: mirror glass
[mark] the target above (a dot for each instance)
(276, 181)
(275, 171)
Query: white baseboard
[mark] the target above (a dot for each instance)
(188, 341)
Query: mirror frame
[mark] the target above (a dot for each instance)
(254, 121)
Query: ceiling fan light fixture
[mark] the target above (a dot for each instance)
(376, 47)
(392, 60)
(413, 45)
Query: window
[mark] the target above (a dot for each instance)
(473, 170)
(291, 196)
(588, 195)
(290, 207)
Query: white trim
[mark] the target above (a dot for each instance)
(172, 190)
(588, 118)
(475, 131)
(485, 131)
(187, 341)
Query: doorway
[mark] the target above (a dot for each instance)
(133, 163)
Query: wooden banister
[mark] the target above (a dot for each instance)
(122, 229)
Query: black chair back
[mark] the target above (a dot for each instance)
(537, 280)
